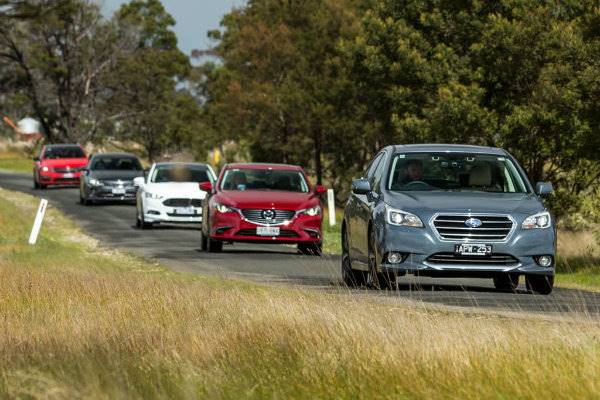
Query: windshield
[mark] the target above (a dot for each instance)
(116, 163)
(443, 171)
(56, 152)
(181, 173)
(264, 179)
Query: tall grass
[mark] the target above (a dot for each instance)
(78, 321)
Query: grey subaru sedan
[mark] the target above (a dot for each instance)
(448, 211)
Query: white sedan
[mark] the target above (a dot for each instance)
(171, 193)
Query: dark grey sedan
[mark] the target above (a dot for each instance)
(109, 177)
(448, 211)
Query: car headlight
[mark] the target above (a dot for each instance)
(154, 196)
(95, 182)
(45, 169)
(311, 211)
(538, 221)
(403, 218)
(222, 208)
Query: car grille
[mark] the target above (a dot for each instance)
(121, 183)
(67, 170)
(493, 227)
(196, 215)
(183, 202)
(504, 260)
(258, 216)
(285, 233)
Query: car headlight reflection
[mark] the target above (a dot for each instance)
(154, 196)
(222, 208)
(538, 221)
(95, 182)
(311, 211)
(403, 218)
(45, 169)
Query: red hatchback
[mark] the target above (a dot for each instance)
(58, 164)
(262, 203)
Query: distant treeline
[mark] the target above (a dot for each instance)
(326, 83)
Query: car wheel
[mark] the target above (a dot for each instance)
(203, 241)
(378, 280)
(36, 185)
(351, 277)
(506, 282)
(143, 224)
(214, 246)
(541, 284)
(42, 186)
(312, 249)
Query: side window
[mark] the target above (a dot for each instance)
(378, 174)
(373, 166)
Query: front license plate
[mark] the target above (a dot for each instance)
(118, 191)
(184, 210)
(473, 249)
(68, 175)
(267, 231)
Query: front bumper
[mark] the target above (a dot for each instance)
(231, 226)
(52, 178)
(155, 212)
(426, 254)
(106, 193)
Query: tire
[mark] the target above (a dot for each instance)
(141, 222)
(36, 185)
(378, 280)
(214, 246)
(203, 241)
(506, 282)
(351, 277)
(42, 186)
(540, 284)
(312, 249)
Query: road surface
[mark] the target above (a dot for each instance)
(179, 248)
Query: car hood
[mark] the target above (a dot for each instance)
(176, 190)
(110, 175)
(267, 199)
(474, 202)
(65, 162)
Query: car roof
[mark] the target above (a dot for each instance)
(281, 167)
(49, 146)
(114, 155)
(450, 148)
(163, 163)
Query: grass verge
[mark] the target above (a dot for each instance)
(79, 321)
(15, 161)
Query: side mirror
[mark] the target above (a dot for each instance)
(139, 181)
(206, 186)
(146, 172)
(320, 189)
(36, 159)
(543, 188)
(361, 186)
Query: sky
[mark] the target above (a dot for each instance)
(194, 18)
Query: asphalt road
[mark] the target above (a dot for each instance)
(179, 248)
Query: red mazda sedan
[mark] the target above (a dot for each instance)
(58, 164)
(262, 203)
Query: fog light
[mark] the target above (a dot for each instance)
(544, 261)
(394, 257)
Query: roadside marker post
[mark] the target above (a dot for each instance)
(37, 224)
(331, 206)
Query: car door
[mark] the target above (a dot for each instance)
(358, 218)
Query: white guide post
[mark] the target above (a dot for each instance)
(331, 206)
(37, 224)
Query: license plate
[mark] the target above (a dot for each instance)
(267, 231)
(184, 210)
(473, 249)
(68, 175)
(118, 191)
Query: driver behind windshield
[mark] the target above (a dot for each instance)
(414, 171)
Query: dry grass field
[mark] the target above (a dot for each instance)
(81, 321)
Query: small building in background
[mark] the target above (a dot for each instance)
(29, 130)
